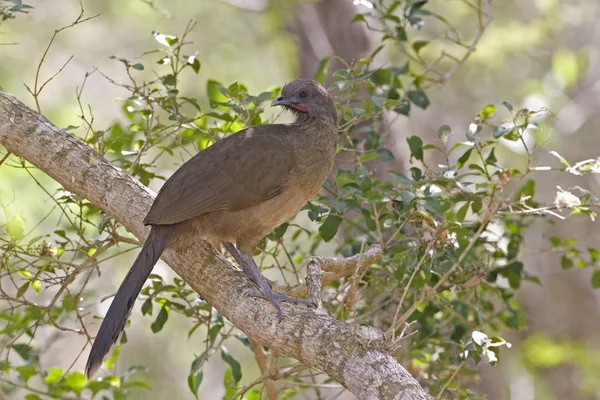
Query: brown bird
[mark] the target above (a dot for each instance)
(235, 192)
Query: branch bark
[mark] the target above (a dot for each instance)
(314, 339)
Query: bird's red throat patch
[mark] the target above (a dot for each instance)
(298, 108)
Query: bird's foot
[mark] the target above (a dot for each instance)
(257, 280)
(264, 290)
(275, 298)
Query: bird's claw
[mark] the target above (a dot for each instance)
(275, 298)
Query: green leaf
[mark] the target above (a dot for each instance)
(419, 98)
(96, 386)
(194, 382)
(110, 362)
(415, 144)
(236, 369)
(141, 383)
(385, 155)
(513, 272)
(321, 73)
(444, 130)
(23, 350)
(278, 233)
(53, 376)
(253, 395)
(330, 227)
(15, 227)
(478, 168)
(22, 289)
(193, 62)
(229, 383)
(159, 322)
(197, 363)
(491, 158)
(416, 173)
(213, 332)
(357, 18)
(527, 190)
(261, 98)
(562, 160)
(234, 90)
(165, 40)
(147, 307)
(476, 206)
(403, 108)
(419, 45)
(462, 160)
(461, 214)
(566, 262)
(402, 180)
(32, 397)
(503, 129)
(596, 279)
(169, 80)
(76, 381)
(556, 242)
(26, 372)
(594, 255)
(401, 33)
(368, 157)
(214, 94)
(488, 111)
(138, 66)
(416, 7)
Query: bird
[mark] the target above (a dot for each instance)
(235, 192)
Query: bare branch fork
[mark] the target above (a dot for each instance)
(313, 338)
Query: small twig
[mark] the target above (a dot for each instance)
(394, 344)
(450, 379)
(261, 360)
(5, 157)
(484, 18)
(391, 332)
(240, 393)
(335, 268)
(38, 89)
(313, 281)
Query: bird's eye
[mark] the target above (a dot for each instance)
(303, 94)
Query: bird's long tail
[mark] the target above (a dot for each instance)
(121, 306)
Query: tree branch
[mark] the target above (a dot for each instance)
(335, 268)
(314, 339)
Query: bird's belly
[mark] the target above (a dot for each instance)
(248, 226)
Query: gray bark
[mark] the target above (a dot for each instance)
(313, 338)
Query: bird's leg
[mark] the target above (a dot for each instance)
(265, 292)
(252, 273)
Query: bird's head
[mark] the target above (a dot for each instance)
(308, 100)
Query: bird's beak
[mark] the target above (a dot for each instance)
(281, 101)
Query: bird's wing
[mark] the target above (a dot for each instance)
(246, 168)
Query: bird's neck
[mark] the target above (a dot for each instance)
(323, 129)
(309, 119)
(316, 142)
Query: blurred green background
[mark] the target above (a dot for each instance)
(536, 53)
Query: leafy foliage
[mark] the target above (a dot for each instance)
(10, 8)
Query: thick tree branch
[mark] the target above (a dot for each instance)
(314, 339)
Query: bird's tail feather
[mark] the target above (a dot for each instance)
(118, 312)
